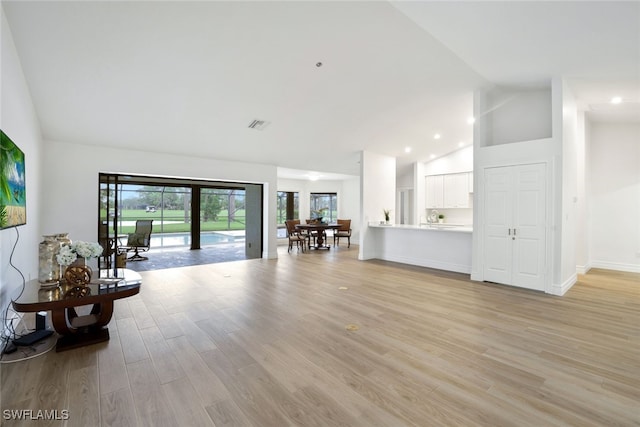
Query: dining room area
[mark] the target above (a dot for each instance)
(314, 234)
(317, 212)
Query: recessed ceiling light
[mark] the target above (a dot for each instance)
(616, 100)
(436, 136)
(460, 144)
(471, 120)
(407, 149)
(433, 156)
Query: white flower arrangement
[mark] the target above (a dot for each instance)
(69, 253)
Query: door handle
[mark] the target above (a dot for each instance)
(514, 231)
(509, 232)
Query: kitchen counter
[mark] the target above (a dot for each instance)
(441, 246)
(459, 228)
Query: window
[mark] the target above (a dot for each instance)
(288, 206)
(324, 205)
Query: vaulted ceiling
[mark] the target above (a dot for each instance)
(329, 78)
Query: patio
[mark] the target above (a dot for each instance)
(160, 258)
(170, 250)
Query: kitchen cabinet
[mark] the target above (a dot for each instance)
(456, 190)
(435, 191)
(514, 248)
(447, 191)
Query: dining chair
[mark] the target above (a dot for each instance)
(343, 231)
(294, 235)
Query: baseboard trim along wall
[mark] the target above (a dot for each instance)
(561, 289)
(607, 265)
(583, 269)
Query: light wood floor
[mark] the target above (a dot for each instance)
(265, 343)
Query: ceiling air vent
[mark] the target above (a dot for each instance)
(258, 124)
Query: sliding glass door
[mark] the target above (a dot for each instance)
(186, 213)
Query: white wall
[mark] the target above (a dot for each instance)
(582, 212)
(503, 108)
(348, 192)
(378, 192)
(419, 193)
(614, 196)
(70, 193)
(458, 161)
(570, 148)
(19, 121)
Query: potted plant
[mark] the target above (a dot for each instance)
(386, 215)
(441, 218)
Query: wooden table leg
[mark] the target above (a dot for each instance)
(104, 311)
(78, 331)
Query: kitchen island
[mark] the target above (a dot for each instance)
(440, 246)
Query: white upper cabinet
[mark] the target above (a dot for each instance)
(456, 190)
(448, 191)
(435, 191)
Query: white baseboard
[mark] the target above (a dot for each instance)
(631, 268)
(561, 289)
(583, 269)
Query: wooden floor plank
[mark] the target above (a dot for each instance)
(152, 406)
(112, 367)
(133, 347)
(185, 403)
(83, 393)
(117, 409)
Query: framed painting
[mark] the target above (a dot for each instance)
(13, 196)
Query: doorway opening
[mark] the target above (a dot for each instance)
(194, 222)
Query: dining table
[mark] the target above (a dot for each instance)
(321, 229)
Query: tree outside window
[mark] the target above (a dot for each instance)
(288, 206)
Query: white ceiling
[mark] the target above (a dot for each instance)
(189, 77)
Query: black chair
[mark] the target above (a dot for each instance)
(140, 240)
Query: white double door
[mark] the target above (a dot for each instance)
(515, 226)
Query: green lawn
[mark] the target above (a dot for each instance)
(180, 227)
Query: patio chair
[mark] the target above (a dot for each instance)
(139, 241)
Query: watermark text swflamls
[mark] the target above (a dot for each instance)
(35, 414)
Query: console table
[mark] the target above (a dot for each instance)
(80, 330)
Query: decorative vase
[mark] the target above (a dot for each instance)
(63, 238)
(78, 273)
(48, 267)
